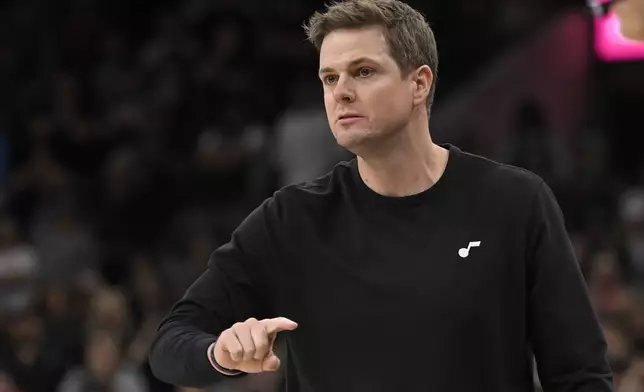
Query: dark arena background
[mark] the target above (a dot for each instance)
(135, 135)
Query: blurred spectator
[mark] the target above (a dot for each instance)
(65, 323)
(67, 251)
(25, 353)
(606, 285)
(108, 310)
(104, 370)
(631, 216)
(19, 269)
(620, 350)
(150, 303)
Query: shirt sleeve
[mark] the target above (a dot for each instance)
(229, 291)
(564, 332)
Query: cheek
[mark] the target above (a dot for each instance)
(390, 102)
(329, 106)
(329, 103)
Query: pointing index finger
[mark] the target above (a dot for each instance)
(278, 324)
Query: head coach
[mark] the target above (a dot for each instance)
(413, 267)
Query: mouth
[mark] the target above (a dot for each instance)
(346, 119)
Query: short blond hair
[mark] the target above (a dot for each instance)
(410, 38)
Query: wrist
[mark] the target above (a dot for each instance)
(213, 361)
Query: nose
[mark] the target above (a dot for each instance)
(344, 91)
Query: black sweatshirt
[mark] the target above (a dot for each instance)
(453, 289)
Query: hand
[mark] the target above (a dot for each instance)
(248, 346)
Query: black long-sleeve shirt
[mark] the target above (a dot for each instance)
(385, 300)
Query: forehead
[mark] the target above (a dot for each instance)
(343, 46)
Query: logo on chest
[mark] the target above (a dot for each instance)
(464, 252)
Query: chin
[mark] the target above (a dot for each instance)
(351, 139)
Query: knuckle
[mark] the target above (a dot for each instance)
(225, 336)
(240, 329)
(262, 347)
(261, 342)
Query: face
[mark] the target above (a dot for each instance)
(102, 356)
(618, 352)
(367, 98)
(109, 309)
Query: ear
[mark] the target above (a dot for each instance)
(423, 79)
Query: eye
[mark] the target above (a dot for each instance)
(329, 79)
(365, 72)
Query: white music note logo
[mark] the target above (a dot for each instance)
(464, 252)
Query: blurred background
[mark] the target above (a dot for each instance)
(135, 135)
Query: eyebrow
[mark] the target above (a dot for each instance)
(351, 64)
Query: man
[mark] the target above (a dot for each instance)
(414, 267)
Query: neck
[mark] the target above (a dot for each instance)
(407, 164)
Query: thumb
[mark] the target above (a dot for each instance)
(279, 324)
(271, 363)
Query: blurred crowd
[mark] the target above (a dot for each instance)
(135, 136)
